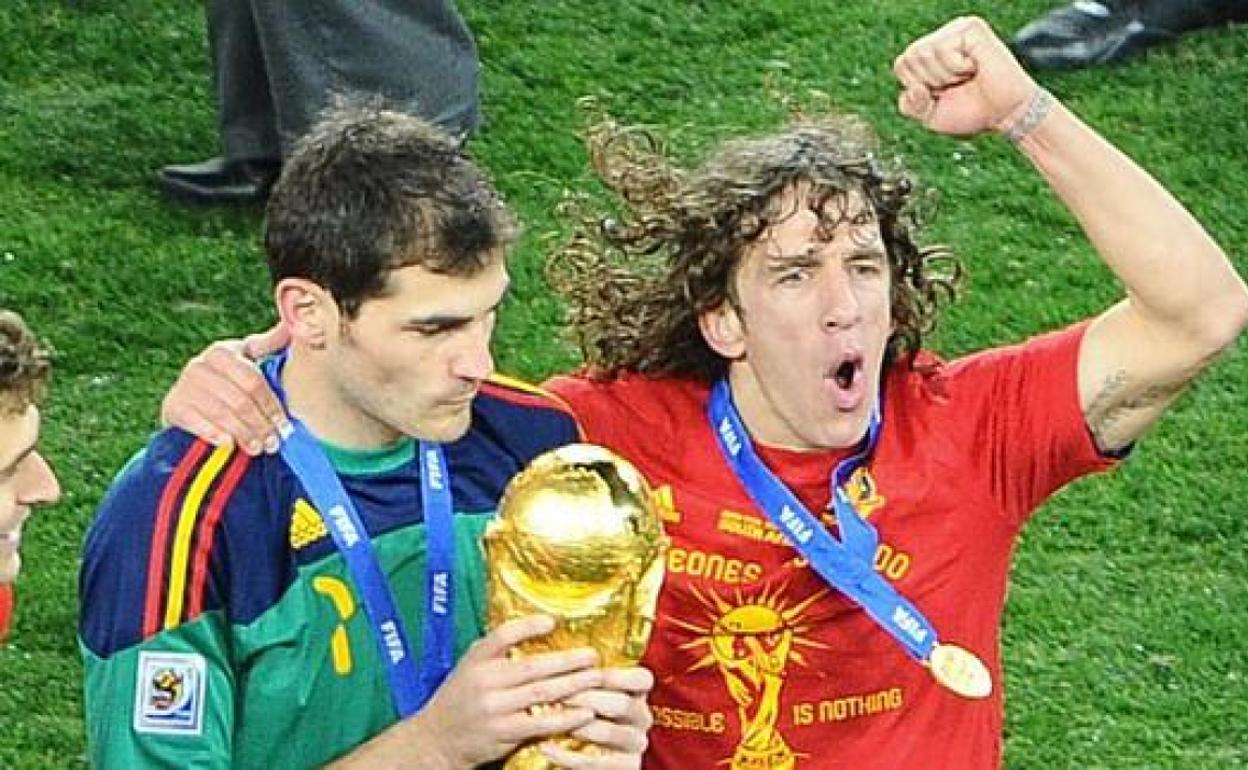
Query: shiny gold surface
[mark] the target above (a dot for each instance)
(578, 536)
(960, 671)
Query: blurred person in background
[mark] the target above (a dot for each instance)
(276, 63)
(26, 479)
(1088, 33)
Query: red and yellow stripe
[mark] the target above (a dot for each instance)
(522, 393)
(208, 529)
(190, 508)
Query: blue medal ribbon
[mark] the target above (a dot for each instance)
(439, 627)
(409, 688)
(847, 564)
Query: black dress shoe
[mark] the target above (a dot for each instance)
(218, 181)
(1087, 33)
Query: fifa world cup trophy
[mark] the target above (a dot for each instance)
(578, 537)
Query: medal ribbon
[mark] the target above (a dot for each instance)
(847, 564)
(409, 688)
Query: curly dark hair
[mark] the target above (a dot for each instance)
(24, 366)
(636, 283)
(369, 190)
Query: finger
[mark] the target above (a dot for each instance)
(269, 416)
(227, 367)
(606, 704)
(916, 103)
(266, 343)
(903, 71)
(548, 688)
(613, 736)
(231, 395)
(955, 63)
(496, 643)
(924, 66)
(180, 414)
(972, 32)
(200, 412)
(231, 400)
(617, 708)
(561, 757)
(631, 679)
(527, 725)
(216, 421)
(915, 100)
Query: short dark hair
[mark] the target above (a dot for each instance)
(24, 366)
(369, 190)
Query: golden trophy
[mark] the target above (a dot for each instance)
(578, 536)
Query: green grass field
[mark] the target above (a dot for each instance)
(1127, 628)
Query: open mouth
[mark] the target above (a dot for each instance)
(846, 374)
(848, 379)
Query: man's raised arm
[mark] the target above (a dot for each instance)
(1184, 301)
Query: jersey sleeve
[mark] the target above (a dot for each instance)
(532, 419)
(153, 632)
(626, 414)
(1021, 419)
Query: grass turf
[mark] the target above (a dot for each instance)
(1125, 635)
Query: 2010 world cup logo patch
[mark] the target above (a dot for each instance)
(169, 693)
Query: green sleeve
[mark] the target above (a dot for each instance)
(167, 702)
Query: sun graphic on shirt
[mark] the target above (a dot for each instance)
(759, 635)
(752, 642)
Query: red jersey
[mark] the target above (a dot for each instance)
(6, 610)
(759, 663)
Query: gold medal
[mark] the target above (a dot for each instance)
(960, 671)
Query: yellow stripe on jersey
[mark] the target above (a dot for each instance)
(529, 389)
(180, 565)
(520, 385)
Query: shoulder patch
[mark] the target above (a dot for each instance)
(169, 693)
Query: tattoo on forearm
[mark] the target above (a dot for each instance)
(1112, 405)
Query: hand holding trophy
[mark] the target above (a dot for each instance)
(577, 537)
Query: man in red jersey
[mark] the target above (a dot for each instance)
(26, 479)
(844, 503)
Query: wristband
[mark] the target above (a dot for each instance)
(1038, 108)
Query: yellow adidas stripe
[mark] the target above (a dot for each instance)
(186, 528)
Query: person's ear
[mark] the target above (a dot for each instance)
(307, 310)
(724, 330)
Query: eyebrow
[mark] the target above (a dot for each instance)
(869, 252)
(452, 320)
(781, 261)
